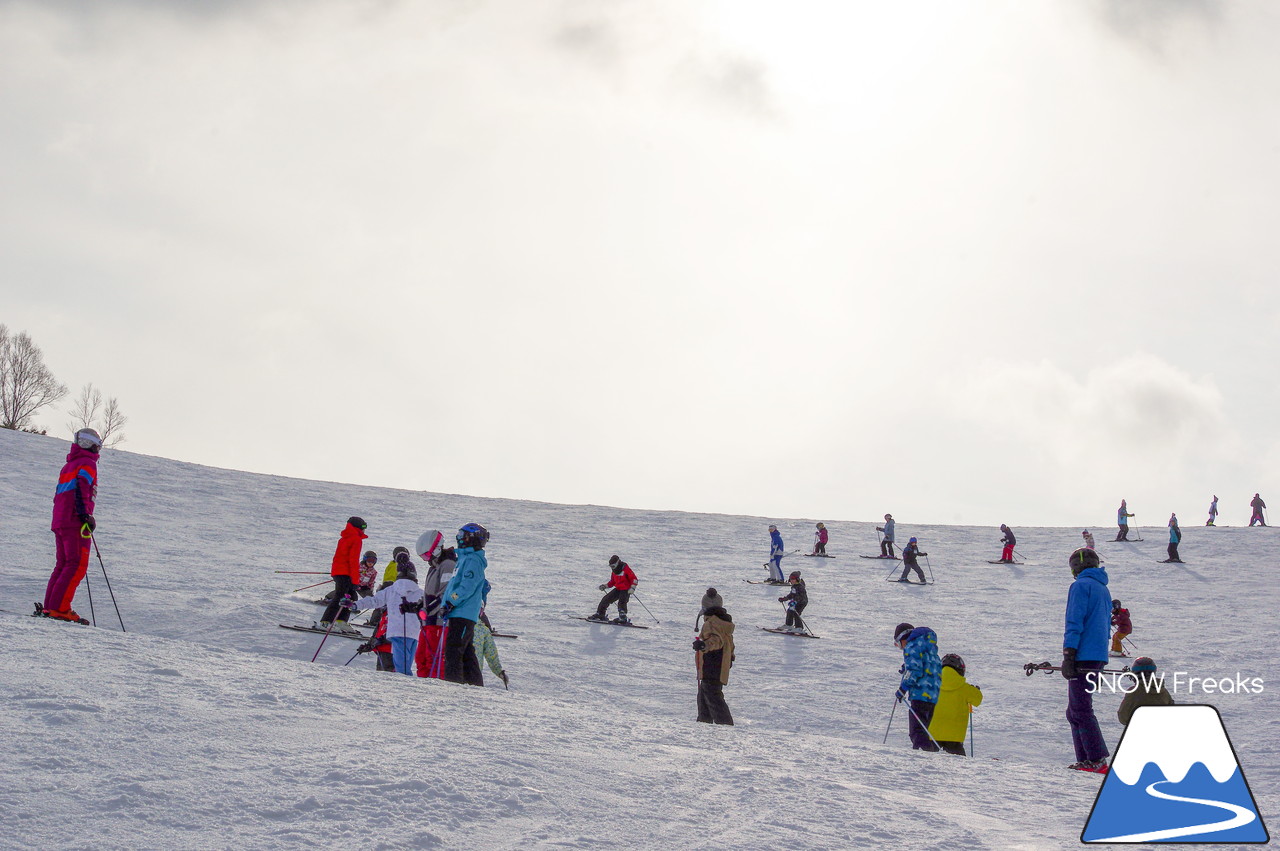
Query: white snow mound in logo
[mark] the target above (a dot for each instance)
(1175, 741)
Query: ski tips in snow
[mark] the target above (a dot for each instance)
(789, 632)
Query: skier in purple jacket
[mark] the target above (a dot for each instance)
(73, 525)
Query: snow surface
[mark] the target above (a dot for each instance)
(205, 725)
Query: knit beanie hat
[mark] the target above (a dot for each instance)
(712, 600)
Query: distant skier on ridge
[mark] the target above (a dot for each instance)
(1213, 511)
(617, 590)
(820, 538)
(1009, 542)
(1175, 538)
(1257, 505)
(886, 543)
(1122, 521)
(776, 553)
(909, 563)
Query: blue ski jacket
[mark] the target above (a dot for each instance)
(921, 667)
(1175, 534)
(1088, 620)
(775, 544)
(466, 589)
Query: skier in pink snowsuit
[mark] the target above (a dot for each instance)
(73, 524)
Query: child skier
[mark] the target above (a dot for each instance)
(713, 657)
(1175, 538)
(346, 575)
(886, 543)
(1213, 511)
(1150, 690)
(921, 680)
(1088, 539)
(909, 553)
(1124, 628)
(1009, 542)
(487, 649)
(796, 602)
(402, 601)
(820, 541)
(775, 555)
(441, 561)
(618, 588)
(392, 570)
(368, 573)
(956, 701)
(1122, 521)
(73, 525)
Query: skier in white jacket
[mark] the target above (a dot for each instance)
(402, 600)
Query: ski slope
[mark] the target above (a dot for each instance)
(205, 725)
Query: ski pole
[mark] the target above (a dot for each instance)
(304, 572)
(643, 606)
(886, 729)
(891, 572)
(93, 618)
(305, 587)
(323, 640)
(1132, 646)
(352, 659)
(925, 726)
(929, 565)
(98, 552)
(1023, 555)
(971, 753)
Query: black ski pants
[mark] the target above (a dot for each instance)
(342, 587)
(1173, 553)
(918, 725)
(622, 598)
(820, 549)
(460, 662)
(909, 566)
(886, 548)
(1123, 534)
(793, 615)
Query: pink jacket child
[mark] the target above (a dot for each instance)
(73, 525)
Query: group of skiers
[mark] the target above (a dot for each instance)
(434, 629)
(438, 627)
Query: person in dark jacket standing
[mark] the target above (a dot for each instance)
(796, 602)
(1150, 690)
(909, 553)
(1175, 538)
(1257, 505)
(713, 657)
(886, 543)
(73, 525)
(1084, 650)
(1009, 542)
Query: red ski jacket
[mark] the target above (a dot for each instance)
(1120, 620)
(624, 581)
(346, 559)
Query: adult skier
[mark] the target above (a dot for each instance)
(886, 543)
(775, 555)
(402, 600)
(909, 563)
(921, 680)
(1122, 520)
(1084, 650)
(1257, 505)
(796, 602)
(73, 525)
(1124, 628)
(618, 590)
(957, 699)
(463, 599)
(820, 541)
(1009, 542)
(1175, 538)
(346, 575)
(713, 657)
(441, 562)
(1213, 511)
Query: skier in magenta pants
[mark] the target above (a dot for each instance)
(73, 524)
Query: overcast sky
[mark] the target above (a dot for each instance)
(959, 261)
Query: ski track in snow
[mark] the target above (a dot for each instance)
(205, 725)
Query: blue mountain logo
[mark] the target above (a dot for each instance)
(1175, 778)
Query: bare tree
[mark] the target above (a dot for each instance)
(26, 384)
(113, 423)
(86, 408)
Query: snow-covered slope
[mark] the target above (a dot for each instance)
(205, 725)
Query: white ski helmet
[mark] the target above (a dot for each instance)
(428, 543)
(87, 438)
